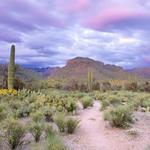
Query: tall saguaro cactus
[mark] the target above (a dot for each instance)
(11, 68)
(90, 80)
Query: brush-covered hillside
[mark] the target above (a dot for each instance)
(23, 75)
(142, 72)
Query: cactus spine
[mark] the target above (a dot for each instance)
(11, 68)
(90, 80)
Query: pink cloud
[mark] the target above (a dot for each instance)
(72, 6)
(109, 16)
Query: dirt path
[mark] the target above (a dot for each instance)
(95, 134)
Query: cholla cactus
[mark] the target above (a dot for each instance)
(90, 80)
(11, 68)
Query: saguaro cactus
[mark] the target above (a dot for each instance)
(11, 68)
(90, 80)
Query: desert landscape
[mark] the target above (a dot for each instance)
(74, 75)
(84, 105)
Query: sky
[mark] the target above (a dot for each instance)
(49, 32)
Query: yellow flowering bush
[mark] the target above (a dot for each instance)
(8, 92)
(41, 100)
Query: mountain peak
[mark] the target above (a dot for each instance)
(81, 61)
(77, 68)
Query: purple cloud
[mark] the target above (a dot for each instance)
(9, 36)
(113, 16)
(27, 15)
(49, 32)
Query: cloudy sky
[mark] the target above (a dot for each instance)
(49, 32)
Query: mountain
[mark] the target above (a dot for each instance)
(141, 72)
(77, 68)
(45, 71)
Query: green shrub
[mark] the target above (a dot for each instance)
(104, 104)
(3, 112)
(37, 116)
(86, 101)
(22, 94)
(54, 142)
(36, 129)
(59, 119)
(71, 125)
(142, 100)
(48, 113)
(71, 105)
(24, 111)
(80, 95)
(114, 100)
(132, 86)
(119, 117)
(60, 108)
(14, 105)
(98, 95)
(49, 130)
(14, 133)
(146, 103)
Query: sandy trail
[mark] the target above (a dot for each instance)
(95, 134)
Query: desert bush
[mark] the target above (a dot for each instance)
(22, 94)
(80, 95)
(138, 100)
(59, 119)
(104, 104)
(119, 117)
(3, 112)
(104, 86)
(14, 105)
(142, 100)
(86, 101)
(48, 112)
(97, 95)
(83, 88)
(96, 86)
(146, 103)
(60, 108)
(37, 116)
(49, 130)
(13, 133)
(54, 142)
(114, 100)
(36, 129)
(19, 84)
(72, 85)
(144, 87)
(23, 111)
(71, 105)
(71, 125)
(131, 86)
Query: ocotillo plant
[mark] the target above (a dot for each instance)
(11, 68)
(90, 80)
